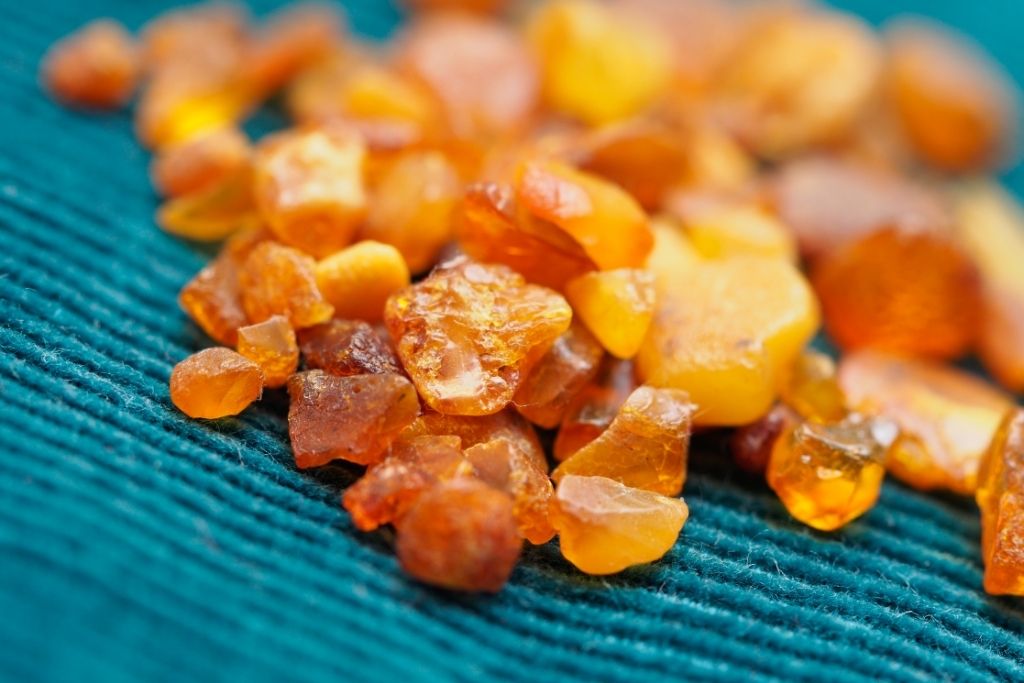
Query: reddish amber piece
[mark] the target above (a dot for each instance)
(502, 464)
(279, 280)
(97, 66)
(479, 429)
(828, 474)
(350, 418)
(811, 388)
(200, 163)
(460, 535)
(751, 445)
(568, 366)
(347, 347)
(616, 305)
(605, 527)
(215, 383)
(213, 213)
(271, 345)
(947, 417)
(469, 333)
(1000, 497)
(358, 280)
(595, 407)
(912, 292)
(645, 446)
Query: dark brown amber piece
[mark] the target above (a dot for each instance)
(97, 66)
(347, 347)
(751, 445)
(279, 280)
(350, 418)
(595, 407)
(479, 429)
(1000, 496)
(215, 383)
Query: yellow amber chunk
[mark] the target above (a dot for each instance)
(827, 474)
(725, 332)
(810, 386)
(1000, 497)
(947, 417)
(605, 527)
(271, 344)
(616, 305)
(645, 446)
(358, 280)
(213, 213)
(279, 280)
(672, 255)
(215, 383)
(737, 229)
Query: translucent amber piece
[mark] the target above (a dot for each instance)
(212, 299)
(605, 527)
(645, 446)
(350, 418)
(279, 280)
(828, 474)
(568, 366)
(480, 429)
(595, 407)
(469, 333)
(912, 292)
(309, 187)
(751, 445)
(598, 65)
(97, 66)
(1000, 496)
(810, 386)
(200, 163)
(358, 280)
(413, 466)
(271, 345)
(347, 347)
(460, 535)
(724, 334)
(955, 106)
(608, 223)
(616, 305)
(215, 383)
(734, 228)
(213, 213)
(947, 417)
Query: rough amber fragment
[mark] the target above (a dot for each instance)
(200, 163)
(97, 66)
(828, 474)
(358, 280)
(725, 332)
(213, 213)
(413, 466)
(347, 347)
(460, 535)
(350, 418)
(279, 280)
(605, 527)
(947, 417)
(912, 292)
(271, 345)
(595, 407)
(645, 446)
(570, 363)
(478, 429)
(469, 333)
(598, 65)
(215, 383)
(608, 223)
(955, 106)
(616, 305)
(1000, 497)
(213, 301)
(751, 445)
(810, 386)
(309, 187)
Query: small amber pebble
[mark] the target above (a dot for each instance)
(605, 527)
(751, 445)
(358, 280)
(645, 446)
(347, 347)
(214, 383)
(213, 301)
(279, 280)
(352, 418)
(309, 187)
(469, 333)
(215, 212)
(478, 429)
(199, 163)
(616, 305)
(947, 417)
(810, 386)
(271, 344)
(1000, 497)
(595, 407)
(97, 66)
(460, 535)
(828, 474)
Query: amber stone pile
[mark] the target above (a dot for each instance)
(596, 226)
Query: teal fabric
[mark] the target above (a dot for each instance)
(136, 545)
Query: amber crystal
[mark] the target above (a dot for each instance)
(999, 496)
(215, 382)
(279, 280)
(810, 386)
(480, 429)
(347, 347)
(271, 344)
(616, 305)
(358, 280)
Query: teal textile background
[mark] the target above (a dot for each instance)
(138, 546)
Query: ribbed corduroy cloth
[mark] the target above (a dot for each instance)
(136, 545)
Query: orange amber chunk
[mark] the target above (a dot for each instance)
(358, 280)
(347, 347)
(460, 535)
(352, 418)
(595, 407)
(605, 527)
(645, 446)
(213, 301)
(828, 474)
(947, 417)
(480, 429)
(213, 213)
(912, 292)
(215, 383)
(271, 345)
(469, 333)
(616, 305)
(309, 187)
(751, 445)
(1000, 497)
(97, 66)
(279, 280)
(811, 388)
(200, 163)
